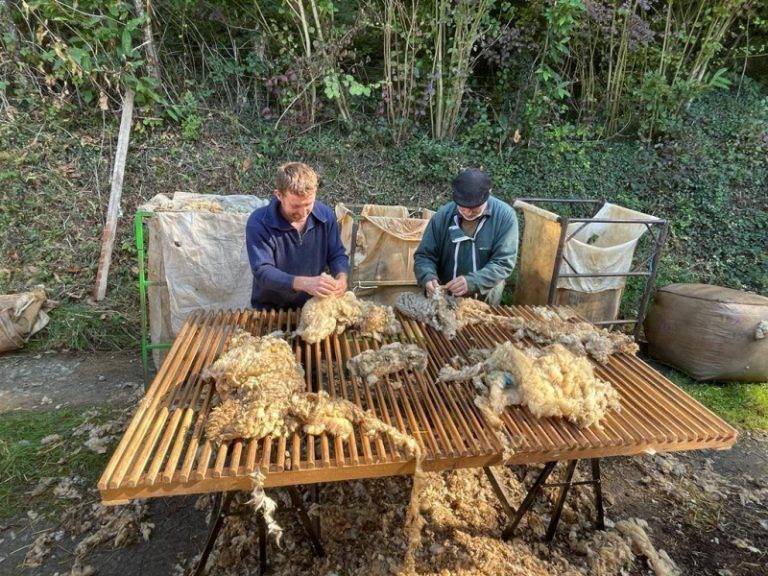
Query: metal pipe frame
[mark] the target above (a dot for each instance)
(144, 283)
(653, 266)
(221, 505)
(539, 484)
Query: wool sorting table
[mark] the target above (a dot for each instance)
(164, 451)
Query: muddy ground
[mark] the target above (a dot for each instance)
(708, 510)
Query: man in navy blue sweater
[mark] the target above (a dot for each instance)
(294, 244)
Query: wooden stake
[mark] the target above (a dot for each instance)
(153, 62)
(118, 172)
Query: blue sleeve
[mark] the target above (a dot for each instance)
(261, 255)
(337, 259)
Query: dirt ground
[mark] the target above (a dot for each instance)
(708, 510)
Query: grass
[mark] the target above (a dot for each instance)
(23, 461)
(744, 405)
(75, 326)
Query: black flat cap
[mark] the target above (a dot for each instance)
(471, 187)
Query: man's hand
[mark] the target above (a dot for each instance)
(458, 286)
(322, 285)
(341, 284)
(431, 286)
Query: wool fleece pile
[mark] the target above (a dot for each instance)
(552, 382)
(323, 316)
(448, 314)
(261, 392)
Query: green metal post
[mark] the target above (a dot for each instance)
(140, 253)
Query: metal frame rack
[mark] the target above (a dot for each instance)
(144, 283)
(648, 267)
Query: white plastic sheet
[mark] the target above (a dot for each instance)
(199, 256)
(601, 248)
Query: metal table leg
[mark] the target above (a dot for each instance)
(262, 530)
(509, 531)
(539, 485)
(596, 482)
(306, 522)
(555, 520)
(501, 494)
(220, 509)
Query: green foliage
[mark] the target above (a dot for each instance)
(186, 113)
(552, 88)
(84, 327)
(88, 48)
(434, 67)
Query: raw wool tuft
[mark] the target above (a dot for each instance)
(762, 330)
(373, 364)
(323, 316)
(39, 550)
(634, 530)
(473, 372)
(472, 311)
(266, 506)
(377, 320)
(256, 363)
(558, 383)
(317, 412)
(437, 310)
(80, 569)
(255, 380)
(121, 525)
(607, 552)
(582, 338)
(66, 488)
(550, 382)
(446, 313)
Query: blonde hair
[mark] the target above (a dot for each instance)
(296, 178)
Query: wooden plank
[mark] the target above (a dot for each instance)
(115, 193)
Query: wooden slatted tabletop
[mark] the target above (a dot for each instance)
(164, 451)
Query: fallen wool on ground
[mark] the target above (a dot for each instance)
(461, 535)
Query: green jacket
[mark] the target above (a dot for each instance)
(486, 260)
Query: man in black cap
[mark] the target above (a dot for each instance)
(470, 244)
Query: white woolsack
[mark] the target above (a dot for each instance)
(196, 258)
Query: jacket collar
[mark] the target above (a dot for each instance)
(487, 212)
(274, 219)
